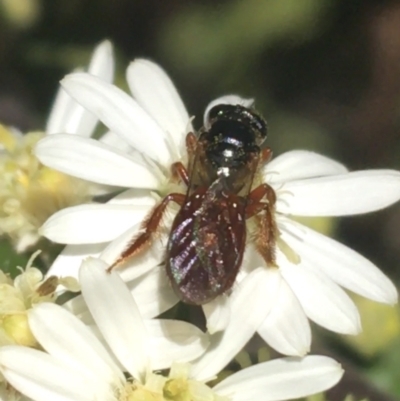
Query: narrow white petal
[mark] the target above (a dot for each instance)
(340, 195)
(49, 380)
(69, 260)
(286, 328)
(153, 292)
(281, 379)
(300, 164)
(341, 264)
(66, 338)
(134, 197)
(147, 259)
(77, 306)
(94, 223)
(117, 316)
(120, 113)
(227, 99)
(92, 160)
(79, 121)
(115, 141)
(174, 341)
(156, 93)
(62, 108)
(217, 313)
(102, 62)
(323, 301)
(257, 292)
(67, 116)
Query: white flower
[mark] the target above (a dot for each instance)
(18, 296)
(76, 366)
(312, 267)
(30, 192)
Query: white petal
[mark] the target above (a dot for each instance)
(92, 160)
(69, 260)
(77, 306)
(153, 292)
(156, 93)
(80, 121)
(120, 113)
(323, 301)
(286, 327)
(49, 380)
(227, 99)
(174, 341)
(134, 196)
(102, 62)
(115, 141)
(141, 263)
(90, 224)
(341, 195)
(117, 316)
(66, 338)
(281, 379)
(257, 292)
(217, 313)
(62, 108)
(300, 164)
(67, 116)
(341, 264)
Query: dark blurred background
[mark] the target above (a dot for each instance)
(325, 74)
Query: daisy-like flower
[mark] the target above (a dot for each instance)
(20, 295)
(76, 364)
(154, 123)
(30, 192)
(17, 298)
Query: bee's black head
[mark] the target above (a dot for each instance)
(247, 117)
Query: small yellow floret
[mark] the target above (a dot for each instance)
(30, 192)
(17, 327)
(138, 392)
(18, 297)
(177, 390)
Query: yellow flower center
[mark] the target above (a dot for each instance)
(178, 386)
(30, 192)
(177, 390)
(137, 392)
(17, 328)
(21, 294)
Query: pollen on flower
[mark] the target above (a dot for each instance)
(177, 386)
(135, 391)
(180, 387)
(177, 390)
(29, 191)
(18, 296)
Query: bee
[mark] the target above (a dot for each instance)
(208, 235)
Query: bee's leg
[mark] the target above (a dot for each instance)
(259, 193)
(179, 171)
(148, 227)
(191, 144)
(266, 155)
(266, 234)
